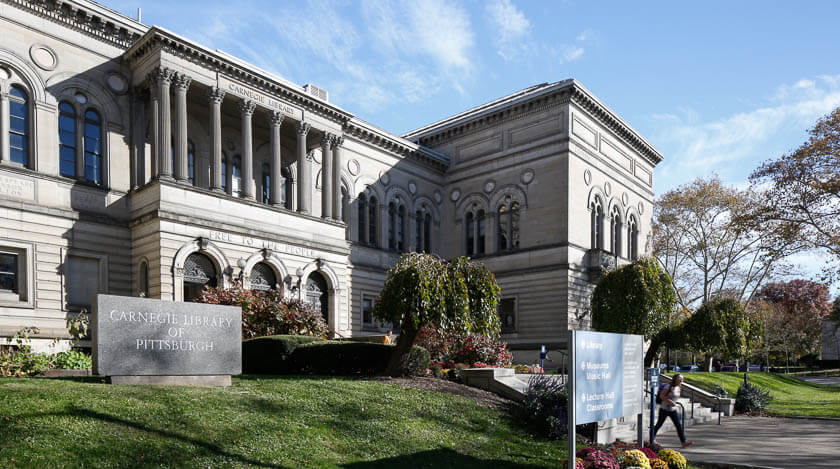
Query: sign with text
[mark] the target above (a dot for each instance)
(608, 375)
(265, 100)
(141, 336)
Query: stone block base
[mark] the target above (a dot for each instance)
(193, 380)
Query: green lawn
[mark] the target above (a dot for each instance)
(791, 396)
(266, 422)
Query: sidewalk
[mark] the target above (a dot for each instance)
(762, 441)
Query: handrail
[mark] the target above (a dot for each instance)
(694, 389)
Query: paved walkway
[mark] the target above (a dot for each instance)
(762, 441)
(832, 380)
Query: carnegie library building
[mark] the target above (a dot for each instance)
(137, 162)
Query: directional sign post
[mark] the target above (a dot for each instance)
(654, 385)
(605, 378)
(542, 358)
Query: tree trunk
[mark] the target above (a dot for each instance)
(399, 359)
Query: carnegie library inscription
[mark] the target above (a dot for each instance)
(146, 337)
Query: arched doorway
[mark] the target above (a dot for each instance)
(198, 273)
(317, 294)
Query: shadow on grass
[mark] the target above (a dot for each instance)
(76, 379)
(439, 458)
(206, 446)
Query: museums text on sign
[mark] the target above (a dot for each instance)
(608, 375)
(140, 336)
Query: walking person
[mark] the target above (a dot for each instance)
(668, 396)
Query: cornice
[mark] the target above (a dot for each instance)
(89, 21)
(409, 150)
(158, 39)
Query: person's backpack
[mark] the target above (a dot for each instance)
(659, 392)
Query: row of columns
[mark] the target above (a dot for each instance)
(161, 79)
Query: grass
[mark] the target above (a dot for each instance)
(267, 422)
(791, 396)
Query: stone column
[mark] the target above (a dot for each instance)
(216, 95)
(276, 158)
(182, 84)
(338, 202)
(304, 170)
(161, 78)
(326, 176)
(247, 110)
(138, 137)
(5, 122)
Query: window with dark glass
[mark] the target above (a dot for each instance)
(392, 226)
(470, 227)
(597, 223)
(266, 183)
(19, 125)
(507, 314)
(633, 239)
(8, 272)
(418, 231)
(401, 231)
(367, 311)
(480, 221)
(143, 282)
(224, 173)
(615, 246)
(82, 281)
(191, 162)
(236, 175)
(286, 188)
(361, 200)
(427, 233)
(67, 139)
(199, 272)
(93, 147)
(508, 225)
(373, 238)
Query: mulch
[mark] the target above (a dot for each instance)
(485, 398)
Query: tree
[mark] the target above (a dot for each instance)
(722, 325)
(794, 324)
(637, 298)
(803, 198)
(423, 289)
(706, 237)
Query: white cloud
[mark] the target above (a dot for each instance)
(512, 27)
(572, 53)
(739, 141)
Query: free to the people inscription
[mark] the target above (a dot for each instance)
(145, 337)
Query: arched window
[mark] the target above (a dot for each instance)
(286, 188)
(615, 219)
(93, 147)
(266, 183)
(199, 272)
(224, 173)
(143, 280)
(19, 125)
(427, 233)
(597, 222)
(67, 139)
(480, 222)
(344, 215)
(633, 238)
(418, 232)
(475, 226)
(423, 221)
(402, 239)
(236, 175)
(392, 226)
(361, 200)
(373, 222)
(191, 162)
(470, 227)
(263, 277)
(508, 225)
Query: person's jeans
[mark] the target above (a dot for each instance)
(675, 417)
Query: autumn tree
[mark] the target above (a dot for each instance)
(707, 239)
(637, 298)
(423, 289)
(794, 323)
(722, 326)
(803, 195)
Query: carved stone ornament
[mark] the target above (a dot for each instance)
(303, 128)
(527, 176)
(161, 75)
(641, 208)
(216, 95)
(266, 253)
(116, 82)
(587, 177)
(4, 74)
(247, 107)
(276, 118)
(203, 243)
(625, 198)
(438, 197)
(489, 186)
(607, 188)
(353, 167)
(455, 195)
(336, 141)
(44, 57)
(412, 187)
(385, 178)
(182, 83)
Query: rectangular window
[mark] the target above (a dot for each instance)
(82, 281)
(9, 273)
(507, 315)
(367, 310)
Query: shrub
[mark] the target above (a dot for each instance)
(269, 355)
(578, 463)
(751, 398)
(449, 346)
(418, 361)
(267, 312)
(658, 464)
(23, 363)
(72, 360)
(544, 405)
(597, 459)
(651, 454)
(674, 459)
(634, 458)
(719, 391)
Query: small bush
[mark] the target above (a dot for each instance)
(674, 459)
(719, 391)
(751, 398)
(545, 406)
(658, 464)
(651, 454)
(476, 348)
(23, 363)
(597, 459)
(418, 361)
(269, 355)
(72, 360)
(634, 458)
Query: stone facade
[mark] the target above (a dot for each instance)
(137, 162)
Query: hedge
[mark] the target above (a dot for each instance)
(308, 355)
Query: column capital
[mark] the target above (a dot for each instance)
(276, 118)
(326, 139)
(216, 95)
(303, 129)
(160, 75)
(247, 107)
(181, 82)
(337, 141)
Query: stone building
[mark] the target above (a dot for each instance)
(138, 162)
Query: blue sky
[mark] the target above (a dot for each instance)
(715, 86)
